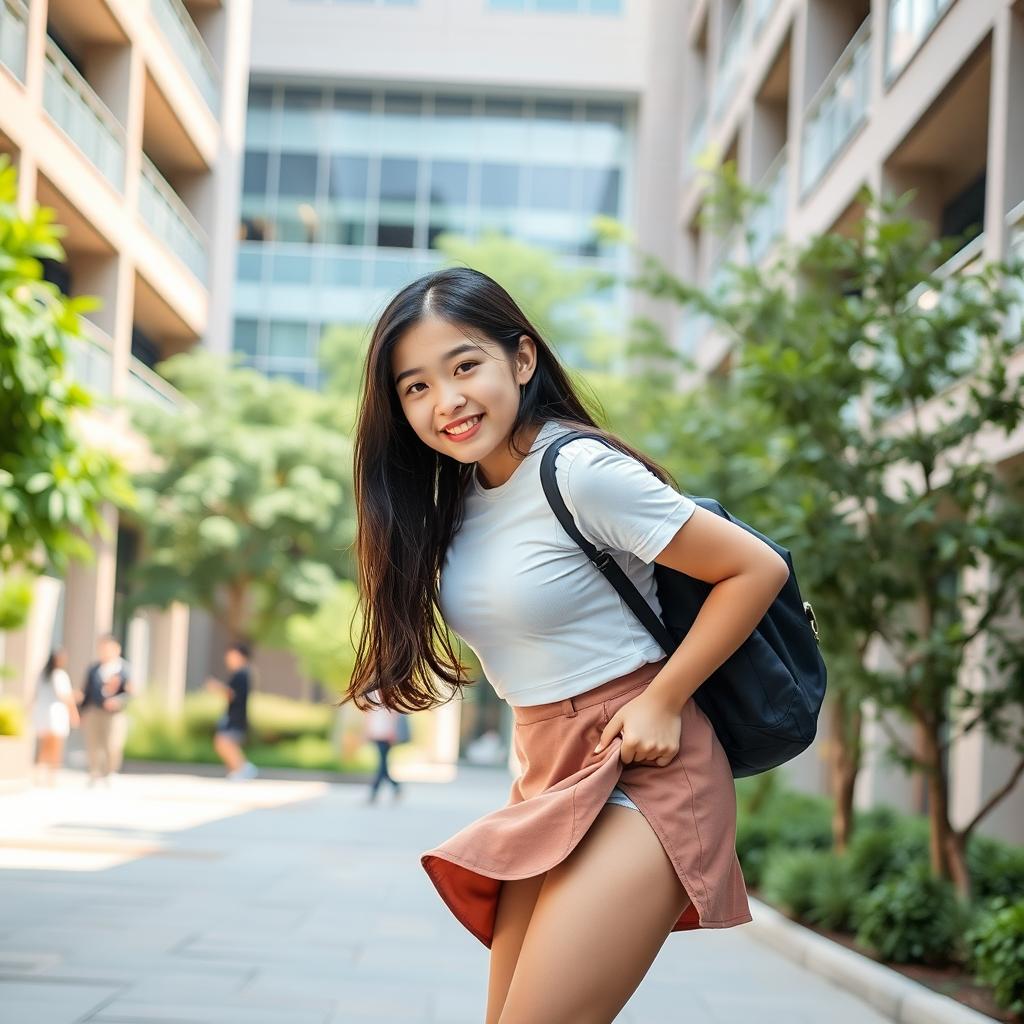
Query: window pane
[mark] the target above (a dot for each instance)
(292, 268)
(453, 106)
(551, 187)
(499, 185)
(557, 5)
(340, 230)
(288, 339)
(398, 178)
(343, 270)
(449, 182)
(395, 235)
(495, 106)
(606, 6)
(348, 177)
(298, 98)
(297, 222)
(403, 103)
(246, 333)
(297, 176)
(254, 176)
(601, 190)
(346, 99)
(553, 110)
(250, 263)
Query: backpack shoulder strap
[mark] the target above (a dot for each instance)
(606, 565)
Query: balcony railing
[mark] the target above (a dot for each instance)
(13, 33)
(768, 221)
(838, 109)
(170, 220)
(91, 360)
(72, 103)
(909, 22)
(734, 46)
(698, 134)
(177, 26)
(92, 365)
(146, 385)
(762, 12)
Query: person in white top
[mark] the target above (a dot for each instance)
(54, 713)
(573, 899)
(381, 729)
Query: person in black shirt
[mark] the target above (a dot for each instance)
(101, 701)
(233, 726)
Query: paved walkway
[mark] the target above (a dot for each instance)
(173, 898)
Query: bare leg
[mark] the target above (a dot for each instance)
(515, 905)
(600, 919)
(228, 751)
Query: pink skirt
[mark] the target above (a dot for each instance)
(690, 804)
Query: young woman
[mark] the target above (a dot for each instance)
(54, 712)
(620, 827)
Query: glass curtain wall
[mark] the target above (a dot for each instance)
(346, 191)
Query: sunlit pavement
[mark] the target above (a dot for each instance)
(178, 898)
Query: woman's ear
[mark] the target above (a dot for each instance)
(526, 360)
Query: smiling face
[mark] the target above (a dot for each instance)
(441, 376)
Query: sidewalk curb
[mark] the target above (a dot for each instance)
(892, 994)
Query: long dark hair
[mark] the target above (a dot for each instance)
(51, 664)
(409, 496)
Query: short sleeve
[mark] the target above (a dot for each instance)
(617, 502)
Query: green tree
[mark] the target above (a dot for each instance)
(52, 486)
(248, 511)
(879, 378)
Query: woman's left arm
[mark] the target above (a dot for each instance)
(746, 574)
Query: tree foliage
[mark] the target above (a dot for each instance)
(52, 486)
(874, 381)
(248, 511)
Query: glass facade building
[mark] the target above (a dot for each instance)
(345, 193)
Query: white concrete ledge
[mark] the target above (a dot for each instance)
(892, 994)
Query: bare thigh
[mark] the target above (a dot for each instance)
(516, 899)
(600, 919)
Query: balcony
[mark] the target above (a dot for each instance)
(81, 114)
(180, 31)
(698, 135)
(13, 21)
(910, 21)
(734, 46)
(170, 220)
(762, 12)
(838, 109)
(91, 361)
(145, 385)
(768, 222)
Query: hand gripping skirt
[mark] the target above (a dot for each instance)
(690, 804)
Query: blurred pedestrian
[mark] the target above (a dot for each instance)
(232, 727)
(108, 688)
(384, 728)
(54, 713)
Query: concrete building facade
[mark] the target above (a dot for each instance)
(814, 99)
(127, 118)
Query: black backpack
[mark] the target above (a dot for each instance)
(763, 701)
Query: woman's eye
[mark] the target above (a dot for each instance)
(410, 391)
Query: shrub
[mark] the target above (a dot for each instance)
(882, 853)
(785, 821)
(996, 947)
(813, 885)
(12, 718)
(996, 869)
(913, 918)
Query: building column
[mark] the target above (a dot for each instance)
(1004, 188)
(89, 599)
(168, 654)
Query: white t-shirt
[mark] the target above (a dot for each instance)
(518, 590)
